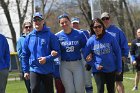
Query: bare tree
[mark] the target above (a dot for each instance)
(4, 5)
(41, 7)
(121, 16)
(129, 19)
(21, 15)
(85, 8)
(121, 11)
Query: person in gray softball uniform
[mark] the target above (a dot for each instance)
(71, 68)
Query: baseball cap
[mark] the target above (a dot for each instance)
(75, 20)
(104, 14)
(38, 14)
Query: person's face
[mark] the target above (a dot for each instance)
(38, 23)
(98, 28)
(28, 28)
(138, 33)
(75, 25)
(64, 23)
(106, 21)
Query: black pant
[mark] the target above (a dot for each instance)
(102, 78)
(36, 79)
(27, 83)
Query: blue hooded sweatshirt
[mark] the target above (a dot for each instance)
(120, 37)
(39, 44)
(5, 53)
(20, 45)
(105, 51)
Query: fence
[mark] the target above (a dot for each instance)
(14, 62)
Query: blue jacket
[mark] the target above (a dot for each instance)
(5, 53)
(86, 33)
(40, 44)
(105, 51)
(71, 44)
(20, 45)
(120, 37)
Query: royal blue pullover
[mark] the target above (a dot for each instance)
(40, 44)
(106, 52)
(5, 53)
(120, 37)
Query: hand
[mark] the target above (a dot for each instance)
(27, 76)
(124, 59)
(99, 67)
(42, 60)
(89, 57)
(134, 63)
(54, 53)
(118, 73)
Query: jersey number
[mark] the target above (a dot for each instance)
(70, 49)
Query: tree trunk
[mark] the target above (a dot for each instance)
(85, 8)
(129, 19)
(121, 16)
(21, 16)
(7, 14)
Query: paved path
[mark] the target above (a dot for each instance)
(13, 79)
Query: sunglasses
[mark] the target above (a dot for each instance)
(37, 19)
(28, 27)
(105, 18)
(63, 16)
(99, 26)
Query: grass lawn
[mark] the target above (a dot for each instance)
(17, 86)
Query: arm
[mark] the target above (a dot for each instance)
(25, 56)
(6, 53)
(19, 48)
(55, 46)
(87, 52)
(124, 45)
(83, 39)
(132, 53)
(117, 52)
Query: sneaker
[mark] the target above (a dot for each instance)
(135, 88)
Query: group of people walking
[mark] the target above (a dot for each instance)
(71, 56)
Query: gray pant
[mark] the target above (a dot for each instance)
(3, 79)
(88, 78)
(72, 76)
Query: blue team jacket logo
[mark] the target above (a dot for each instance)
(102, 48)
(43, 42)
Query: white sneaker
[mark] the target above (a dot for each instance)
(135, 88)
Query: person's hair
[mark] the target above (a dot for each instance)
(92, 24)
(26, 23)
(63, 16)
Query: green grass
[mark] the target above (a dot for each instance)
(17, 86)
